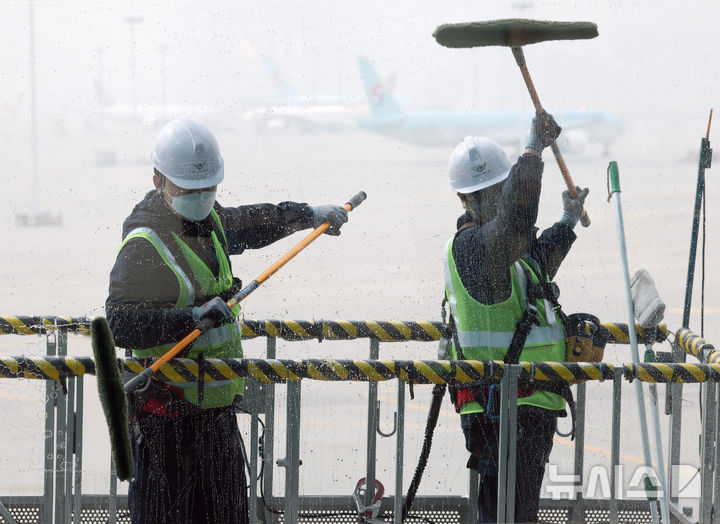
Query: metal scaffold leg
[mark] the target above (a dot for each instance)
(707, 472)
(251, 390)
(291, 463)
(578, 509)
(372, 425)
(615, 445)
(400, 451)
(507, 445)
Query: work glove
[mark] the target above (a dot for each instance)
(543, 131)
(215, 309)
(335, 215)
(573, 207)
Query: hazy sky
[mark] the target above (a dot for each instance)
(653, 59)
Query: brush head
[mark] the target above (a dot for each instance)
(511, 32)
(112, 397)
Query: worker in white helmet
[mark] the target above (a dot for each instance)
(503, 304)
(172, 271)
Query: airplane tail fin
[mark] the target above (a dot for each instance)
(382, 104)
(283, 90)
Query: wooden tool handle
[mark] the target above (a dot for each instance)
(520, 60)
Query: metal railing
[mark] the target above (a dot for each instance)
(63, 501)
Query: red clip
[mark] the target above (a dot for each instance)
(368, 514)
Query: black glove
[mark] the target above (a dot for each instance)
(335, 215)
(543, 132)
(214, 309)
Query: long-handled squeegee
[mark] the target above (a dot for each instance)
(515, 33)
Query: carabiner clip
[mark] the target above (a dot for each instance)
(488, 411)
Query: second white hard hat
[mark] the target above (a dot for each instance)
(477, 163)
(187, 153)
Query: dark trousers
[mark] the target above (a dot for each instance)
(188, 469)
(536, 427)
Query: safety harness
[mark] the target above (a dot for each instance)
(488, 396)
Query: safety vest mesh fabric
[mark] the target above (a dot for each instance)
(484, 332)
(220, 342)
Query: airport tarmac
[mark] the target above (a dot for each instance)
(387, 264)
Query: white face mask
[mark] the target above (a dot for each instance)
(194, 206)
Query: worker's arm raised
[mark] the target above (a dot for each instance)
(484, 253)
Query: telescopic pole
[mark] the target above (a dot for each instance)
(614, 176)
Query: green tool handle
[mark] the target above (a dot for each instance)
(614, 176)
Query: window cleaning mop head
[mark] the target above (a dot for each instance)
(112, 397)
(511, 32)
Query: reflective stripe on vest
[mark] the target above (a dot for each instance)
(220, 342)
(501, 339)
(187, 291)
(485, 331)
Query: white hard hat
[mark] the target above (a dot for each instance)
(477, 163)
(187, 153)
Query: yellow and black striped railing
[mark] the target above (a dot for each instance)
(40, 325)
(415, 371)
(693, 344)
(619, 333)
(382, 330)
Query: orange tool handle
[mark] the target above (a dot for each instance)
(138, 380)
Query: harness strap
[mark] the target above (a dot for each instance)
(534, 291)
(522, 330)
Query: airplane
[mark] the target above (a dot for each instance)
(448, 127)
(292, 109)
(147, 115)
(286, 93)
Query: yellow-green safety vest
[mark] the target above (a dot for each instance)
(220, 342)
(484, 332)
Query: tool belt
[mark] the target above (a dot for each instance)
(585, 339)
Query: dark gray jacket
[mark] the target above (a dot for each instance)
(143, 289)
(484, 253)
